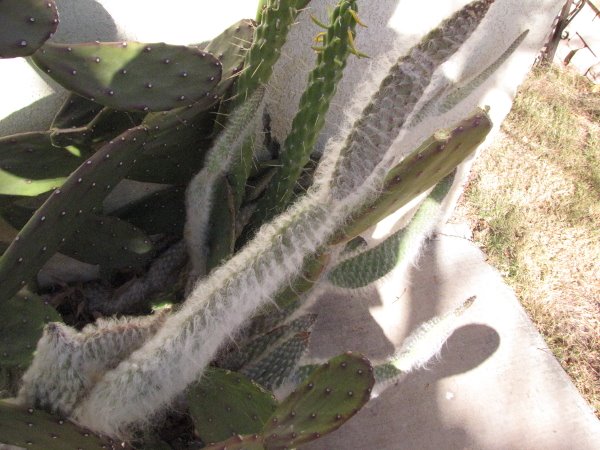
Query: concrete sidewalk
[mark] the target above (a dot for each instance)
(496, 384)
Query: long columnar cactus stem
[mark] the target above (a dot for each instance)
(310, 118)
(398, 94)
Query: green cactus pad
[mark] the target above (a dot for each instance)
(26, 25)
(31, 165)
(251, 442)
(370, 265)
(226, 403)
(327, 399)
(22, 320)
(312, 110)
(75, 112)
(423, 168)
(278, 363)
(160, 212)
(252, 350)
(65, 208)
(132, 75)
(110, 242)
(230, 47)
(37, 430)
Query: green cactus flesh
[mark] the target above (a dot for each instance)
(328, 398)
(250, 442)
(23, 318)
(370, 265)
(398, 94)
(110, 242)
(75, 112)
(26, 25)
(276, 20)
(230, 47)
(310, 118)
(65, 209)
(226, 403)
(132, 75)
(37, 430)
(423, 168)
(31, 165)
(252, 350)
(276, 365)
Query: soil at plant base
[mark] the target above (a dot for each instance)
(533, 202)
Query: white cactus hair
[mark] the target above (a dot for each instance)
(155, 366)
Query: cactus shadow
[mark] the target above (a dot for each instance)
(84, 21)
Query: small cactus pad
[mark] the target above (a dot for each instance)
(75, 112)
(65, 208)
(109, 242)
(132, 75)
(22, 321)
(26, 25)
(230, 47)
(226, 403)
(31, 165)
(37, 430)
(328, 398)
(370, 265)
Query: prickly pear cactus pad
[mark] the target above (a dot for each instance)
(31, 165)
(320, 405)
(29, 428)
(26, 25)
(226, 403)
(132, 75)
(65, 209)
(22, 320)
(252, 442)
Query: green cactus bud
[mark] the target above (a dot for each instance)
(226, 403)
(132, 75)
(326, 400)
(26, 25)
(66, 207)
(31, 165)
(34, 429)
(370, 265)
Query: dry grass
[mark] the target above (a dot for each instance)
(534, 202)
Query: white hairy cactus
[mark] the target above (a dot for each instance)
(142, 380)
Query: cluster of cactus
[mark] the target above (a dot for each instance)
(233, 263)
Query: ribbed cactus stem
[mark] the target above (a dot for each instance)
(310, 118)
(398, 94)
